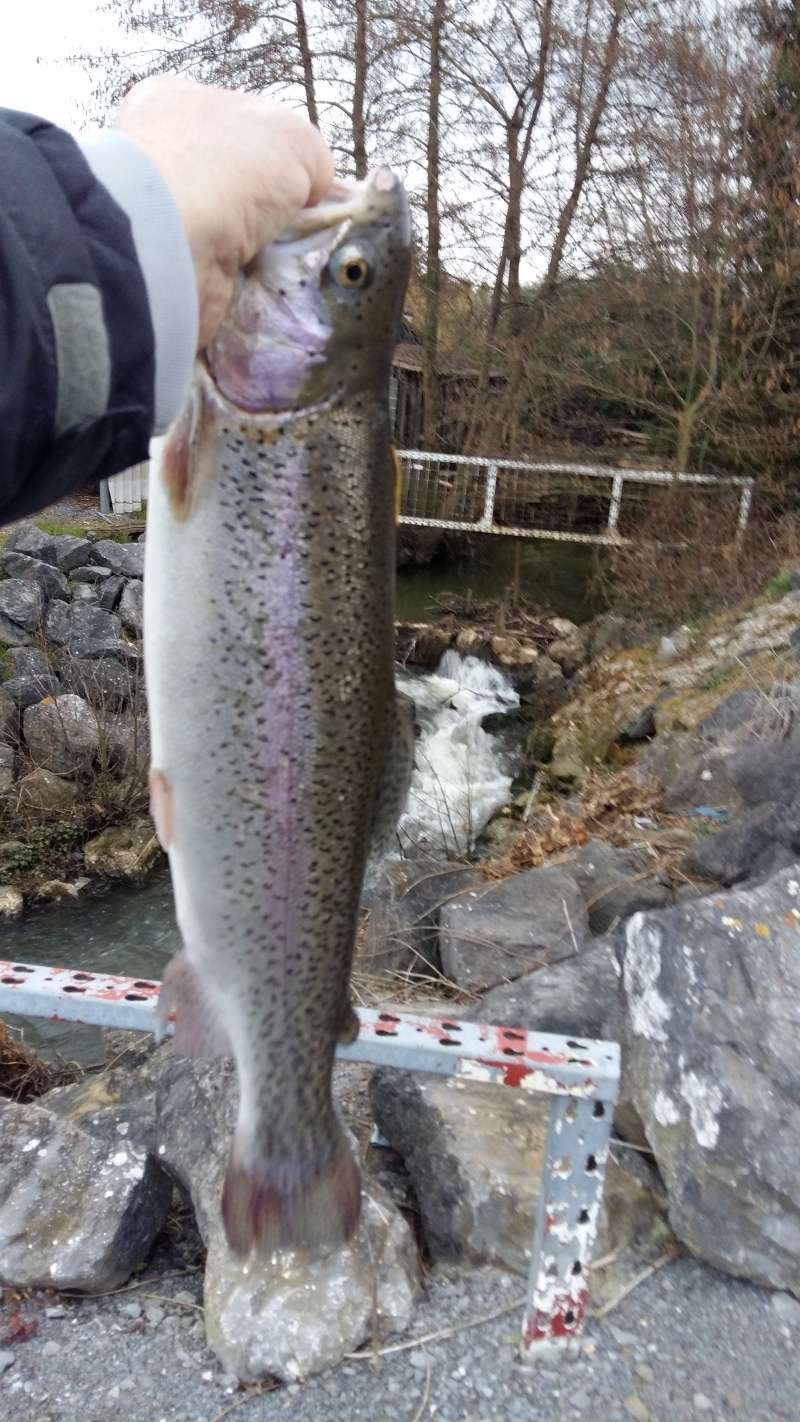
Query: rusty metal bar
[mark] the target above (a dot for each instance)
(580, 1078)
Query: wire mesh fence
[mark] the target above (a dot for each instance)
(575, 502)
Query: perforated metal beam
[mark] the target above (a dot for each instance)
(581, 1079)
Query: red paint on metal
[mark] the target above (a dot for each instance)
(564, 1320)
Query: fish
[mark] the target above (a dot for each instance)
(280, 750)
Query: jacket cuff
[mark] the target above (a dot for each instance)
(163, 252)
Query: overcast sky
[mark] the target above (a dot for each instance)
(33, 72)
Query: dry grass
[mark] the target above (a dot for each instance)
(24, 1075)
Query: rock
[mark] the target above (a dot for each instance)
(709, 989)
(6, 1360)
(66, 551)
(27, 691)
(287, 1318)
(733, 1401)
(606, 632)
(86, 630)
(125, 559)
(105, 683)
(44, 791)
(701, 1403)
(281, 1315)
(579, 997)
(85, 593)
(9, 718)
(676, 645)
(11, 901)
(55, 891)
(787, 1309)
(27, 538)
(794, 580)
(28, 661)
(110, 591)
(470, 642)
(641, 728)
(62, 735)
(636, 1408)
(505, 930)
(570, 650)
(123, 851)
(614, 883)
(402, 932)
(131, 607)
(702, 779)
(90, 573)
(474, 1155)
(547, 691)
(21, 607)
(7, 767)
(78, 1211)
(752, 715)
(567, 764)
(766, 772)
(125, 744)
(734, 852)
(19, 565)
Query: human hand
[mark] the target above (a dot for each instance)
(239, 167)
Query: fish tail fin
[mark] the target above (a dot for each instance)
(306, 1201)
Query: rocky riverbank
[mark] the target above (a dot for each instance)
(644, 885)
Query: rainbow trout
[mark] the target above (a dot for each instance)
(280, 752)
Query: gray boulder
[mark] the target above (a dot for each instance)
(62, 734)
(91, 573)
(570, 650)
(44, 791)
(579, 997)
(66, 551)
(766, 772)
(281, 1316)
(126, 559)
(28, 690)
(27, 538)
(104, 682)
(125, 744)
(712, 992)
(498, 933)
(19, 565)
(29, 661)
(21, 607)
(753, 715)
(690, 779)
(110, 591)
(131, 607)
(7, 766)
(615, 883)
(402, 932)
(77, 1210)
(474, 1154)
(734, 853)
(85, 631)
(85, 593)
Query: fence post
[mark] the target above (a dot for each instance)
(616, 502)
(487, 518)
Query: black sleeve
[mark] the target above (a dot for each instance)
(77, 358)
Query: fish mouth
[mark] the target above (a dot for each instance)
(280, 323)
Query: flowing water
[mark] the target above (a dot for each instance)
(462, 777)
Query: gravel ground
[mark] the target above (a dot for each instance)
(688, 1344)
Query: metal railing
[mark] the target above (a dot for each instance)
(579, 1078)
(544, 499)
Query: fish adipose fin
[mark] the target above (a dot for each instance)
(199, 1031)
(269, 1203)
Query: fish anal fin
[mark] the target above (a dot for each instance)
(199, 1031)
(271, 1203)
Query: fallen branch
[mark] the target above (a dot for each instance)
(437, 1336)
(671, 1253)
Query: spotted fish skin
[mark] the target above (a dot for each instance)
(269, 584)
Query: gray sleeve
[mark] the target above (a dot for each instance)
(164, 257)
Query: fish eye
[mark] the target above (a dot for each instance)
(351, 269)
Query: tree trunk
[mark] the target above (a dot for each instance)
(360, 90)
(433, 275)
(307, 61)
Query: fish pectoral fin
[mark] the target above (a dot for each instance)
(351, 1025)
(393, 790)
(199, 1030)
